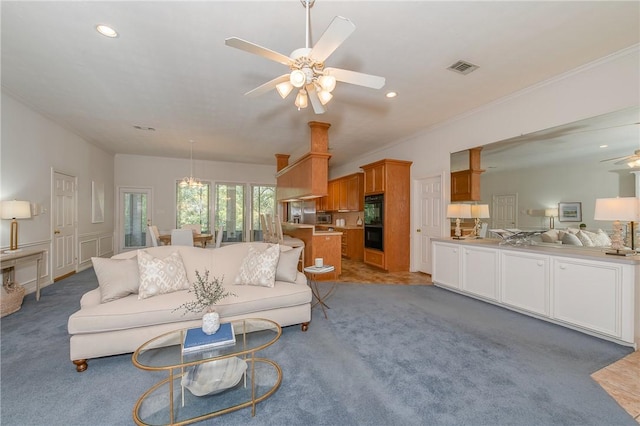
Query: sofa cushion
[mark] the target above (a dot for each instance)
(287, 269)
(130, 312)
(259, 267)
(116, 278)
(160, 276)
(571, 239)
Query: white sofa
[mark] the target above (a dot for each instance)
(576, 237)
(120, 326)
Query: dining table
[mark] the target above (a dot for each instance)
(198, 239)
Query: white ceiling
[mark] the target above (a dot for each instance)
(169, 69)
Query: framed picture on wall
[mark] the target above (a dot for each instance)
(570, 212)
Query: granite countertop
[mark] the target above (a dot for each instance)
(287, 225)
(340, 227)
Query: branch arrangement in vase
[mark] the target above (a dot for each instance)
(207, 293)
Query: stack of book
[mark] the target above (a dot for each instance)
(196, 340)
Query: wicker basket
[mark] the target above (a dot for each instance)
(11, 300)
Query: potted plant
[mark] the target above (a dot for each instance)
(207, 293)
(583, 226)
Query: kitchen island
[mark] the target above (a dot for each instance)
(324, 244)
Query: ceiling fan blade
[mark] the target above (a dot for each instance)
(625, 159)
(337, 32)
(247, 46)
(352, 77)
(318, 108)
(269, 85)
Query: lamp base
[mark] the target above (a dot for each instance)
(621, 252)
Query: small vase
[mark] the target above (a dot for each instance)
(210, 322)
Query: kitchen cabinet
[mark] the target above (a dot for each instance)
(525, 282)
(600, 288)
(586, 292)
(392, 179)
(465, 184)
(345, 194)
(480, 274)
(352, 243)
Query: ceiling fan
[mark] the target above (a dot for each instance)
(308, 73)
(632, 160)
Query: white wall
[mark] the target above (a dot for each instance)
(604, 86)
(160, 174)
(31, 146)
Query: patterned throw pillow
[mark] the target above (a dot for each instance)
(585, 238)
(601, 239)
(160, 276)
(259, 268)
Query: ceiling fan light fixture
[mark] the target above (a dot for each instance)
(324, 96)
(297, 78)
(301, 99)
(327, 82)
(284, 89)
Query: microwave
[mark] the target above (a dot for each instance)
(323, 219)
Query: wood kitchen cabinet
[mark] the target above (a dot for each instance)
(345, 194)
(393, 179)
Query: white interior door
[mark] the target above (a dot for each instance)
(505, 208)
(429, 197)
(134, 217)
(64, 224)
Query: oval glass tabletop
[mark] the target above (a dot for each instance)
(166, 351)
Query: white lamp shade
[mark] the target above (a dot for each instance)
(622, 208)
(301, 99)
(284, 89)
(328, 82)
(480, 211)
(16, 209)
(551, 212)
(297, 78)
(462, 211)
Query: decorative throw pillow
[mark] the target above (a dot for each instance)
(287, 269)
(584, 238)
(259, 268)
(161, 276)
(551, 236)
(571, 239)
(117, 278)
(601, 239)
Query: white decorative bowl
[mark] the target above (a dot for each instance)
(214, 376)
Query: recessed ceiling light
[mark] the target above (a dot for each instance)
(106, 31)
(391, 94)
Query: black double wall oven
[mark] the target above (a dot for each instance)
(374, 221)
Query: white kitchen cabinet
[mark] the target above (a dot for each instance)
(525, 281)
(480, 273)
(587, 291)
(446, 264)
(592, 295)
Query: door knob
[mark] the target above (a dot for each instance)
(56, 231)
(419, 230)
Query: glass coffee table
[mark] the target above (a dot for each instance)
(210, 382)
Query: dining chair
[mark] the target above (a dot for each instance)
(288, 240)
(154, 234)
(219, 237)
(182, 237)
(195, 227)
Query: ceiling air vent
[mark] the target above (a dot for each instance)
(463, 67)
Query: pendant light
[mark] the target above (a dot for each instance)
(191, 182)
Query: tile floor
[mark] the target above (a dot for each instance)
(621, 379)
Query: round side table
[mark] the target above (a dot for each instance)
(312, 273)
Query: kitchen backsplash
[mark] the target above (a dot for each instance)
(351, 218)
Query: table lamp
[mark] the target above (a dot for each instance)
(457, 211)
(551, 214)
(15, 210)
(617, 209)
(479, 211)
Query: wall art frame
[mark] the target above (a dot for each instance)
(570, 212)
(97, 202)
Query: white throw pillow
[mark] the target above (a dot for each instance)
(585, 239)
(551, 236)
(571, 239)
(601, 239)
(287, 269)
(161, 276)
(259, 268)
(117, 278)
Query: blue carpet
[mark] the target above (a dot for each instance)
(387, 355)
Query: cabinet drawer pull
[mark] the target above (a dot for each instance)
(563, 266)
(540, 263)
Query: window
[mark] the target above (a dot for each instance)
(193, 206)
(263, 201)
(230, 202)
(134, 217)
